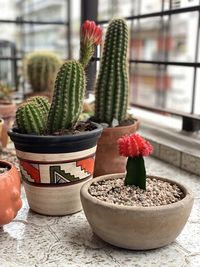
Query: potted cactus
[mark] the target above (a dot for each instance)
(41, 68)
(135, 210)
(111, 98)
(7, 111)
(56, 152)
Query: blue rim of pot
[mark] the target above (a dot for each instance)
(53, 143)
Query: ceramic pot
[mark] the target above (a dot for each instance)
(7, 112)
(107, 155)
(54, 168)
(10, 189)
(138, 228)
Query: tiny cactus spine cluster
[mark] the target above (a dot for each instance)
(31, 116)
(68, 96)
(111, 90)
(41, 69)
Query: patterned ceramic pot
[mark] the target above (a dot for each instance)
(54, 168)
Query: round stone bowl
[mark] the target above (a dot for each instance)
(137, 228)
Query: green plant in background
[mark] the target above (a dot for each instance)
(41, 69)
(5, 92)
(111, 92)
(68, 96)
(31, 116)
(36, 116)
(135, 147)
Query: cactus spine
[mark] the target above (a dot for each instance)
(68, 96)
(31, 116)
(41, 69)
(112, 83)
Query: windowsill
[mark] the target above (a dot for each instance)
(170, 143)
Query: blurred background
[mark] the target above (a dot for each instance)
(164, 46)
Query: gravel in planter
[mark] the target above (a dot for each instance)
(158, 193)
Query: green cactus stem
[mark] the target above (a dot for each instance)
(31, 116)
(136, 173)
(68, 96)
(112, 83)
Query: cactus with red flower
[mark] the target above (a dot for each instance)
(135, 147)
(69, 91)
(91, 36)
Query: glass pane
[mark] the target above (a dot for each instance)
(163, 87)
(197, 94)
(144, 42)
(182, 37)
(108, 9)
(180, 3)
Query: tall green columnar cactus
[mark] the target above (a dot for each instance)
(112, 82)
(31, 116)
(68, 96)
(41, 69)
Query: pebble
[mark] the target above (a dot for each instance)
(157, 193)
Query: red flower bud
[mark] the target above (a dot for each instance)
(91, 33)
(134, 145)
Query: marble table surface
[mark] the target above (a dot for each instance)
(36, 240)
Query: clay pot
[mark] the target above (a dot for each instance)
(54, 168)
(10, 189)
(138, 228)
(107, 155)
(7, 112)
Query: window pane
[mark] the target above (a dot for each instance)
(162, 87)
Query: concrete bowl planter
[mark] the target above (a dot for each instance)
(54, 168)
(137, 228)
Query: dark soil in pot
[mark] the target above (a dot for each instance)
(3, 167)
(158, 193)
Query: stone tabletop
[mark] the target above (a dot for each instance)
(36, 240)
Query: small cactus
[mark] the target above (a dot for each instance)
(112, 83)
(68, 96)
(41, 69)
(31, 116)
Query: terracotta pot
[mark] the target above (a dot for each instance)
(107, 155)
(10, 189)
(54, 168)
(1, 126)
(7, 112)
(137, 228)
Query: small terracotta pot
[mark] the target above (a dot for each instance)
(107, 154)
(54, 168)
(7, 112)
(10, 189)
(137, 228)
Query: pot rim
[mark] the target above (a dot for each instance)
(84, 192)
(71, 137)
(136, 122)
(7, 164)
